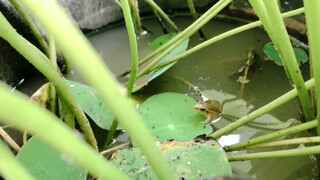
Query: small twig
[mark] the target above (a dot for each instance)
(121, 146)
(9, 140)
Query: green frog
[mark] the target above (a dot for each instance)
(211, 109)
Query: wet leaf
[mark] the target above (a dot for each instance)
(92, 104)
(158, 42)
(189, 160)
(271, 52)
(44, 162)
(171, 116)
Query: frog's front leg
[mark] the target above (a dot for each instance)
(208, 120)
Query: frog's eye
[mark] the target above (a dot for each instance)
(202, 109)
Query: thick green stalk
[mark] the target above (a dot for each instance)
(10, 168)
(133, 44)
(43, 64)
(31, 25)
(163, 14)
(52, 90)
(221, 37)
(190, 29)
(312, 16)
(135, 15)
(270, 16)
(77, 48)
(195, 17)
(261, 111)
(276, 154)
(273, 135)
(24, 115)
(303, 140)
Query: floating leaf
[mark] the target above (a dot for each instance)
(189, 160)
(92, 104)
(44, 162)
(158, 42)
(270, 50)
(171, 116)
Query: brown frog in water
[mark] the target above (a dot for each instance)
(211, 109)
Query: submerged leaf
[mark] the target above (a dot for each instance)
(44, 162)
(92, 104)
(189, 160)
(270, 50)
(171, 116)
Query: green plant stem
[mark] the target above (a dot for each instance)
(117, 2)
(276, 154)
(112, 130)
(269, 14)
(31, 24)
(10, 168)
(303, 140)
(220, 37)
(312, 17)
(190, 29)
(134, 62)
(135, 15)
(66, 114)
(195, 16)
(159, 58)
(77, 48)
(43, 64)
(273, 135)
(25, 115)
(133, 44)
(163, 26)
(261, 111)
(52, 91)
(163, 14)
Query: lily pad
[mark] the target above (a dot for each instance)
(92, 104)
(189, 160)
(171, 116)
(44, 162)
(270, 50)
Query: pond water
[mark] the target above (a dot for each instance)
(212, 70)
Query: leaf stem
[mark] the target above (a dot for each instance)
(163, 14)
(74, 45)
(312, 18)
(273, 135)
(261, 111)
(269, 14)
(43, 64)
(276, 154)
(9, 140)
(303, 140)
(221, 37)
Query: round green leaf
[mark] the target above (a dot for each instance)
(271, 52)
(92, 104)
(189, 160)
(44, 162)
(171, 116)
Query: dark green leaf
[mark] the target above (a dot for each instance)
(92, 104)
(44, 162)
(171, 116)
(188, 160)
(270, 50)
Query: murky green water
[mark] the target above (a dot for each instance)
(211, 70)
